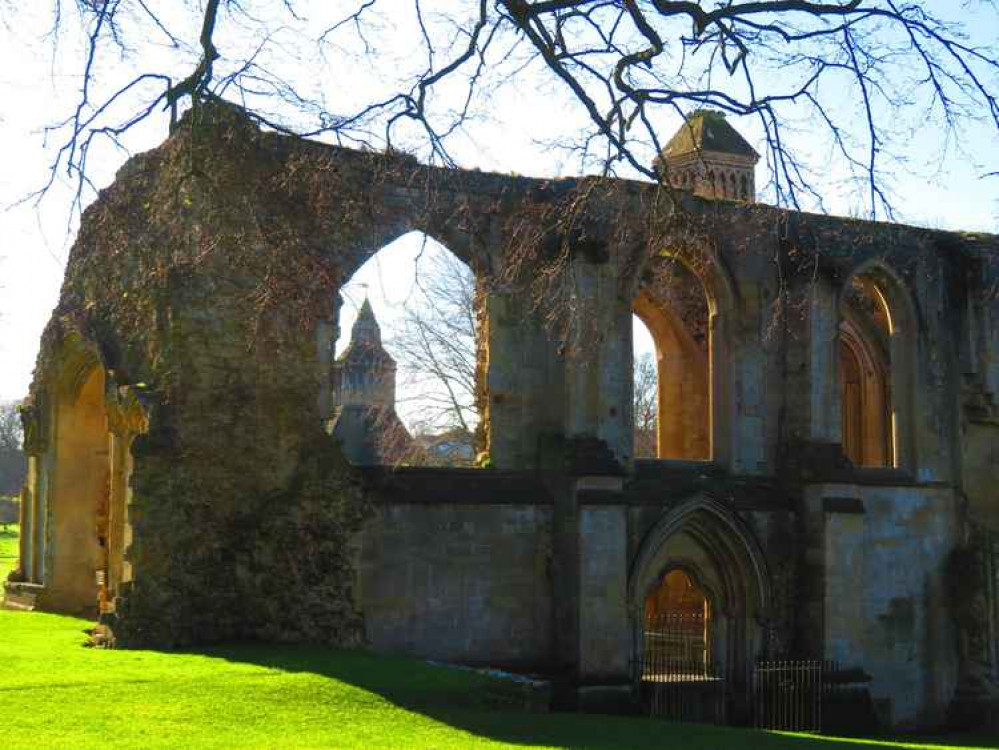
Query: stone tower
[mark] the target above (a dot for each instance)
(364, 420)
(708, 157)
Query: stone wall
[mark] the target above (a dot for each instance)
(467, 582)
(202, 284)
(885, 603)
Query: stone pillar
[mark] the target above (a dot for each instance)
(590, 579)
(33, 505)
(26, 563)
(524, 382)
(565, 583)
(599, 363)
(825, 422)
(973, 583)
(812, 396)
(605, 647)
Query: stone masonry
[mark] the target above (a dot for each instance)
(832, 475)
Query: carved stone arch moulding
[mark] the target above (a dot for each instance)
(904, 326)
(898, 297)
(705, 517)
(704, 585)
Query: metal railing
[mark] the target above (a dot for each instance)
(679, 681)
(788, 695)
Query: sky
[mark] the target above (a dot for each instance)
(39, 86)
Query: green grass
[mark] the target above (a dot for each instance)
(8, 550)
(55, 692)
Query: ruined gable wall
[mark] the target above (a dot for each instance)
(199, 275)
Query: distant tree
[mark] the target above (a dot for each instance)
(13, 463)
(435, 345)
(646, 406)
(10, 512)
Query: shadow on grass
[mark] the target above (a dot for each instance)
(461, 699)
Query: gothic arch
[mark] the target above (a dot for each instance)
(358, 398)
(81, 428)
(77, 477)
(721, 296)
(895, 313)
(866, 397)
(708, 541)
(683, 384)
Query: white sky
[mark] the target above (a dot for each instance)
(37, 89)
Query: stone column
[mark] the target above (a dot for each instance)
(524, 382)
(599, 360)
(824, 420)
(605, 639)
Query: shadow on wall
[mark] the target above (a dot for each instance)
(480, 705)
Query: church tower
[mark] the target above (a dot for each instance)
(364, 419)
(708, 157)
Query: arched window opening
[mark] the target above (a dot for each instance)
(406, 367)
(646, 390)
(865, 373)
(744, 187)
(673, 307)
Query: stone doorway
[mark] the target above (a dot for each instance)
(680, 610)
(680, 676)
(699, 594)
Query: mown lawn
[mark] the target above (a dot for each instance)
(8, 550)
(55, 692)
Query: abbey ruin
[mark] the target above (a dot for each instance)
(828, 435)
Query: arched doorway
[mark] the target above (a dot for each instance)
(679, 676)
(699, 595)
(678, 615)
(79, 491)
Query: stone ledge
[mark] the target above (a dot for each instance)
(21, 595)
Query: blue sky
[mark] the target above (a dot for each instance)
(38, 86)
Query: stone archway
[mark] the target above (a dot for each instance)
(715, 549)
(79, 491)
(700, 364)
(878, 327)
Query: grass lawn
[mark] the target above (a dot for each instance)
(54, 692)
(8, 550)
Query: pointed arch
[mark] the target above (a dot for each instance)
(428, 302)
(878, 338)
(711, 522)
(710, 544)
(716, 283)
(683, 427)
(77, 478)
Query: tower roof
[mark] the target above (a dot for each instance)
(365, 346)
(707, 130)
(366, 329)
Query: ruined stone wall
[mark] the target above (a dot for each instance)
(883, 591)
(198, 276)
(459, 581)
(776, 280)
(202, 281)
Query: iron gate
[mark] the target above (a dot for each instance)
(788, 695)
(679, 680)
